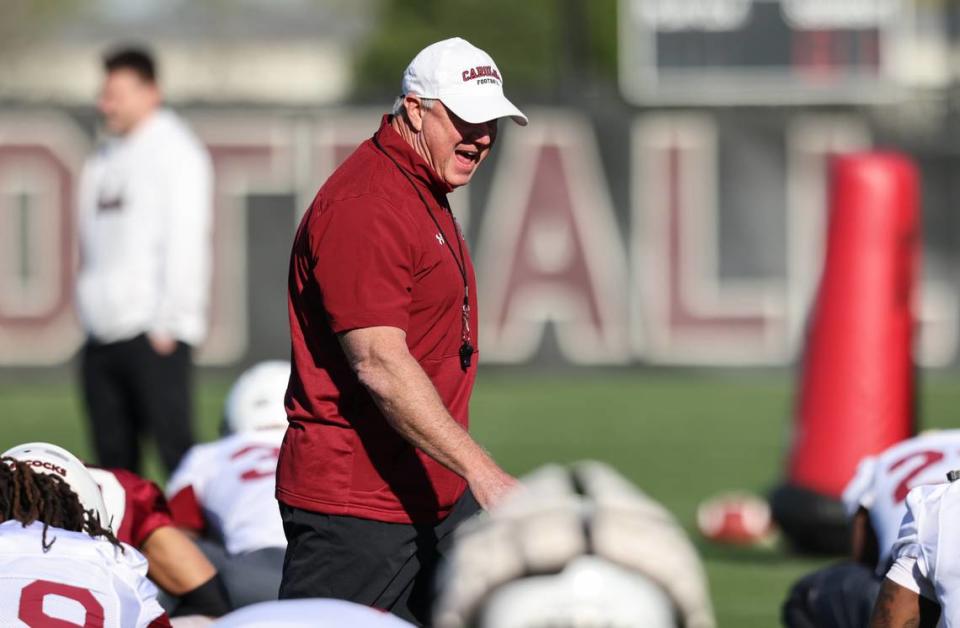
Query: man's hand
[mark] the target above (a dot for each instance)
(490, 487)
(162, 343)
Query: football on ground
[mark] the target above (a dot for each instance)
(735, 519)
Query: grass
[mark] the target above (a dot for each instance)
(681, 437)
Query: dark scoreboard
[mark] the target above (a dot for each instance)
(763, 51)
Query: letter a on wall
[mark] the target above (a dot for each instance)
(549, 250)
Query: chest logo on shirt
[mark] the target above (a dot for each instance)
(109, 203)
(111, 191)
(439, 238)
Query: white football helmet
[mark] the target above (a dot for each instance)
(54, 460)
(256, 400)
(590, 591)
(574, 547)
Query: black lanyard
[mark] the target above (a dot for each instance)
(466, 347)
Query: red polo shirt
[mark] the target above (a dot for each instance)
(368, 254)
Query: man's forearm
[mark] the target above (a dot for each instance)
(175, 563)
(863, 539)
(411, 405)
(898, 607)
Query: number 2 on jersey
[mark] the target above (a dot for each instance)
(926, 459)
(265, 462)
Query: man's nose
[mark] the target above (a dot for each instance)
(483, 134)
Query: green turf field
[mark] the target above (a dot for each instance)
(681, 437)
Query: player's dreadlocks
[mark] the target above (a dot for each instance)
(27, 496)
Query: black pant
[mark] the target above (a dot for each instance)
(389, 566)
(129, 390)
(838, 596)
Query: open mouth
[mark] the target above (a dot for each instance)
(468, 157)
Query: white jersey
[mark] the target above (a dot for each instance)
(79, 579)
(312, 613)
(230, 486)
(882, 482)
(927, 551)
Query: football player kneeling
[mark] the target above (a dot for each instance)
(223, 492)
(60, 562)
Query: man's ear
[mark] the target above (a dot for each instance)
(415, 110)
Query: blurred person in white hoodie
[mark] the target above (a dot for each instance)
(144, 220)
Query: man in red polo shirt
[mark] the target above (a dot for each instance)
(377, 466)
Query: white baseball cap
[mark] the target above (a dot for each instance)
(255, 402)
(53, 460)
(464, 78)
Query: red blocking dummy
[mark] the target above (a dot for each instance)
(856, 389)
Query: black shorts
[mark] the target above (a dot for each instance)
(390, 566)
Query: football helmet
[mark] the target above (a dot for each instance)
(54, 460)
(577, 546)
(255, 402)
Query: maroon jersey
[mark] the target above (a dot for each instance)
(136, 505)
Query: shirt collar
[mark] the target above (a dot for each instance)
(408, 159)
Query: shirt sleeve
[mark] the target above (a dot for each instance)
(861, 490)
(138, 595)
(185, 490)
(910, 569)
(152, 614)
(150, 510)
(186, 265)
(906, 572)
(364, 252)
(163, 621)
